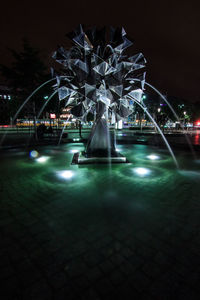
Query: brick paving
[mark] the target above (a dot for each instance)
(102, 237)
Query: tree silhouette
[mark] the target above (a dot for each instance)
(27, 72)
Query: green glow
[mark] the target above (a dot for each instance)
(153, 157)
(57, 173)
(66, 174)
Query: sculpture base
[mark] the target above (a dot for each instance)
(81, 159)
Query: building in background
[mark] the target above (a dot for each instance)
(5, 103)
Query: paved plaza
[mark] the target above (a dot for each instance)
(101, 234)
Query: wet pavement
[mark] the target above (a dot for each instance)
(99, 232)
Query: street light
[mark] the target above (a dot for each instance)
(159, 109)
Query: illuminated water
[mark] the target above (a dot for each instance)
(148, 181)
(58, 217)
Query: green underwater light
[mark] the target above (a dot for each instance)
(142, 171)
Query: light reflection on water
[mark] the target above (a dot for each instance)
(196, 139)
(142, 179)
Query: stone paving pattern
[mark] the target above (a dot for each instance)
(55, 245)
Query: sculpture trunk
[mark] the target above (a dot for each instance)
(100, 142)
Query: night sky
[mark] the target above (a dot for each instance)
(166, 33)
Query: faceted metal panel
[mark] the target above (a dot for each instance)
(98, 76)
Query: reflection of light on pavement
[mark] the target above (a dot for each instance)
(153, 157)
(42, 159)
(66, 174)
(142, 171)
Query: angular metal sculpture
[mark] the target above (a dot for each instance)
(98, 78)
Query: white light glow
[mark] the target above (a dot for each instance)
(74, 151)
(76, 140)
(120, 124)
(153, 157)
(42, 159)
(141, 171)
(66, 174)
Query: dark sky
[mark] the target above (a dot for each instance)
(168, 34)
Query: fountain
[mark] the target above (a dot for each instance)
(96, 82)
(81, 218)
(97, 78)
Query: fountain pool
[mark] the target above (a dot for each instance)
(148, 179)
(87, 223)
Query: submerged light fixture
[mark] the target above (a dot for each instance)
(153, 157)
(142, 171)
(66, 174)
(42, 159)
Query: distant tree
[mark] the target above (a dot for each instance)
(196, 111)
(27, 72)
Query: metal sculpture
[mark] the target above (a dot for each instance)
(98, 78)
